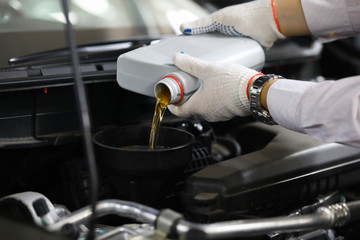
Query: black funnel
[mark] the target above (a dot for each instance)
(137, 173)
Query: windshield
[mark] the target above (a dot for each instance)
(28, 26)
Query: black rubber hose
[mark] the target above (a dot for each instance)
(354, 208)
(85, 121)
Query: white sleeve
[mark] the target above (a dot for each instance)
(328, 111)
(332, 19)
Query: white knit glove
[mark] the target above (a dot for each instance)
(254, 19)
(222, 93)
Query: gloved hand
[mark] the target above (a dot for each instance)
(254, 19)
(222, 93)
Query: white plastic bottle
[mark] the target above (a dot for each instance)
(149, 69)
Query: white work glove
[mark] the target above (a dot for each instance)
(253, 19)
(222, 93)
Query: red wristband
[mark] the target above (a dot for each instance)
(274, 13)
(248, 84)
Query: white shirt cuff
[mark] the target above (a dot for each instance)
(283, 100)
(331, 20)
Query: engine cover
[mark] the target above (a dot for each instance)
(291, 168)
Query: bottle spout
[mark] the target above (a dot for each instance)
(178, 85)
(171, 87)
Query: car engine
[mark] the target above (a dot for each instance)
(276, 185)
(238, 179)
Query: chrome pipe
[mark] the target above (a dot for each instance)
(126, 209)
(323, 218)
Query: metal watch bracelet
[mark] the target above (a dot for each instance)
(257, 111)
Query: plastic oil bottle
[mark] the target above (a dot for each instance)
(149, 70)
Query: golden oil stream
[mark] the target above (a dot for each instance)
(163, 99)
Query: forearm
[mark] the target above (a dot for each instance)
(327, 20)
(321, 110)
(290, 16)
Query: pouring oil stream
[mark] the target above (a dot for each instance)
(162, 101)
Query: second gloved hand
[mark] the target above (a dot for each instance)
(254, 19)
(222, 94)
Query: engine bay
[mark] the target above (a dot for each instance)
(238, 179)
(247, 186)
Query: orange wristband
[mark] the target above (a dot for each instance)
(248, 84)
(274, 13)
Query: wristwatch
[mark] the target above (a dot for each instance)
(257, 111)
